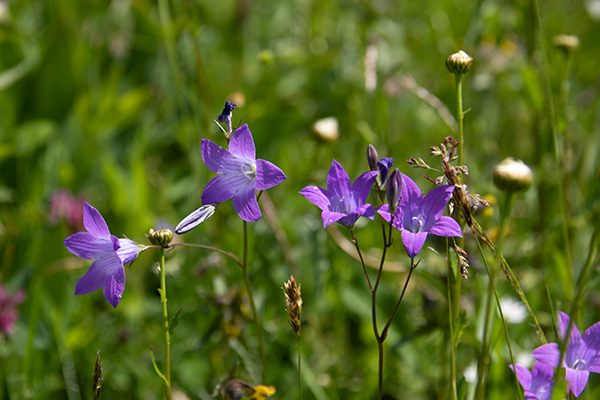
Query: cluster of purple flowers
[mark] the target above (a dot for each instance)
(582, 356)
(407, 210)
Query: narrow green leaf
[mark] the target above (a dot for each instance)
(174, 322)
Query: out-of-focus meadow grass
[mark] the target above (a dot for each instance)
(111, 99)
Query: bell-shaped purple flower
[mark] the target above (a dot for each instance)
(537, 383)
(582, 355)
(240, 174)
(109, 253)
(343, 202)
(417, 216)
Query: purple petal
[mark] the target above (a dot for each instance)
(577, 380)
(362, 186)
(96, 274)
(318, 196)
(446, 226)
(128, 251)
(338, 182)
(548, 354)
(242, 143)
(595, 365)
(218, 190)
(591, 337)
(575, 336)
(214, 156)
(384, 211)
(413, 242)
(268, 175)
(384, 167)
(434, 204)
(366, 210)
(114, 286)
(93, 221)
(523, 375)
(245, 204)
(411, 194)
(90, 247)
(541, 379)
(329, 217)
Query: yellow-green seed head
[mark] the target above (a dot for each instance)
(512, 175)
(459, 63)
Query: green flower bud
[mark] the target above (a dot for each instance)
(161, 237)
(459, 63)
(512, 175)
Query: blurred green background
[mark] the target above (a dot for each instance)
(109, 100)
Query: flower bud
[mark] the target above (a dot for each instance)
(393, 189)
(384, 166)
(225, 118)
(372, 157)
(566, 43)
(161, 237)
(512, 175)
(197, 217)
(459, 63)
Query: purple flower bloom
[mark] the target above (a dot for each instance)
(8, 309)
(109, 253)
(581, 356)
(537, 383)
(240, 174)
(416, 217)
(343, 202)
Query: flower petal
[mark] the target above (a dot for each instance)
(577, 380)
(591, 337)
(523, 375)
(114, 285)
(446, 226)
(434, 204)
(214, 156)
(89, 246)
(384, 211)
(338, 182)
(97, 273)
(268, 175)
(217, 190)
(541, 380)
(329, 217)
(413, 242)
(366, 210)
(411, 194)
(548, 354)
(128, 251)
(318, 196)
(574, 337)
(93, 221)
(362, 186)
(245, 204)
(242, 143)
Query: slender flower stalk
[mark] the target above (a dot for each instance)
(165, 314)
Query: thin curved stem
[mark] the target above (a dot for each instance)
(165, 314)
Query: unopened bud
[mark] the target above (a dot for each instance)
(372, 157)
(225, 118)
(197, 217)
(384, 166)
(459, 63)
(393, 189)
(512, 175)
(161, 237)
(566, 43)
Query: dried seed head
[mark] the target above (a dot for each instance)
(97, 377)
(293, 303)
(161, 237)
(459, 63)
(512, 175)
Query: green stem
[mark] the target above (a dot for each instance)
(163, 300)
(252, 304)
(299, 367)
(451, 276)
(460, 114)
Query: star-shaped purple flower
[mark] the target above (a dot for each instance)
(537, 383)
(582, 355)
(109, 253)
(417, 216)
(240, 174)
(343, 202)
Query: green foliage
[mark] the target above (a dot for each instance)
(110, 100)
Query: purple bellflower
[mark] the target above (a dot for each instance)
(417, 216)
(582, 355)
(109, 253)
(537, 383)
(240, 173)
(342, 202)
